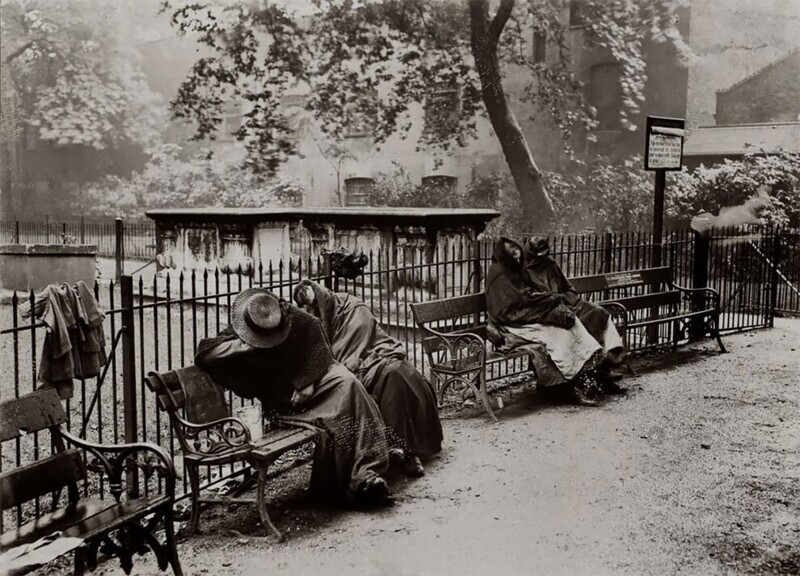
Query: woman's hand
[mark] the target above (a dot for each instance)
(302, 396)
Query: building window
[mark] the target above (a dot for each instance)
(358, 191)
(577, 12)
(605, 94)
(539, 46)
(441, 185)
(441, 108)
(232, 121)
(358, 127)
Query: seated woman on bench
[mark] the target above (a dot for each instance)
(279, 354)
(521, 316)
(405, 398)
(544, 275)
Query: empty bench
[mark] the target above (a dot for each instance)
(121, 526)
(651, 299)
(209, 436)
(459, 351)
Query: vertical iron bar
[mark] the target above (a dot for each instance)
(129, 374)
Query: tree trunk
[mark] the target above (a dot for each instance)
(485, 34)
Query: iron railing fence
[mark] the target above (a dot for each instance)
(139, 235)
(165, 316)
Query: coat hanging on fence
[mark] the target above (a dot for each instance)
(74, 346)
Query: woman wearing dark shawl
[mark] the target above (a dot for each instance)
(279, 354)
(545, 276)
(405, 398)
(520, 317)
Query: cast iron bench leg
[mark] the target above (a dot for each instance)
(716, 334)
(485, 396)
(194, 481)
(262, 501)
(172, 549)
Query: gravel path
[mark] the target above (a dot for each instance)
(696, 471)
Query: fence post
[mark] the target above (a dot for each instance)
(119, 253)
(699, 279)
(83, 230)
(129, 374)
(47, 229)
(16, 231)
(327, 272)
(477, 271)
(774, 277)
(63, 232)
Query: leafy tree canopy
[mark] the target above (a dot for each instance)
(76, 74)
(370, 61)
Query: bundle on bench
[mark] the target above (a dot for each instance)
(209, 436)
(122, 525)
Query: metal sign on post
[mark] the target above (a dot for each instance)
(663, 150)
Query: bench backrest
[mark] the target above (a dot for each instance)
(626, 279)
(34, 412)
(191, 389)
(435, 310)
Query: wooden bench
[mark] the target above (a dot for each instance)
(120, 526)
(459, 352)
(651, 299)
(209, 436)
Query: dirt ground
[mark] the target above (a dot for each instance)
(695, 471)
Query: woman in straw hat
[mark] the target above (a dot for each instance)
(406, 400)
(278, 353)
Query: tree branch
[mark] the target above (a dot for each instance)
(16, 53)
(499, 20)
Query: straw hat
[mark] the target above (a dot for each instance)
(257, 318)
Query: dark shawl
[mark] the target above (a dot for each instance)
(509, 299)
(405, 398)
(269, 374)
(357, 340)
(544, 275)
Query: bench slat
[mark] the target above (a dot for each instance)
(275, 447)
(650, 300)
(425, 312)
(88, 518)
(33, 412)
(41, 477)
(625, 279)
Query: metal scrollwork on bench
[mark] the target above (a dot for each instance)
(215, 437)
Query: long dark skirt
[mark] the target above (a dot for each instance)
(356, 447)
(408, 405)
(593, 317)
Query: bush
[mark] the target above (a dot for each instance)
(775, 177)
(202, 181)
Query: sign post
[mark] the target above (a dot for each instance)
(663, 151)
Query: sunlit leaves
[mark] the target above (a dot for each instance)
(375, 61)
(76, 75)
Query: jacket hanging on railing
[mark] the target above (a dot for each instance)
(74, 346)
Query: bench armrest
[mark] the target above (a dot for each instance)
(227, 434)
(114, 460)
(701, 296)
(456, 343)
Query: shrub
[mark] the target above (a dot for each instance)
(776, 177)
(202, 181)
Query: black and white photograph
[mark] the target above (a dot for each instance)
(400, 287)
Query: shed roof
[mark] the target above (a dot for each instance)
(742, 139)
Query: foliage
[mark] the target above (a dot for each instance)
(372, 61)
(202, 181)
(76, 73)
(776, 177)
